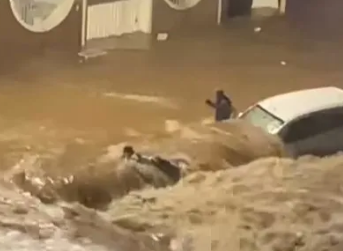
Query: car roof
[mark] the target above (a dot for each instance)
(289, 106)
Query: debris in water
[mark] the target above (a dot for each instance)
(68, 180)
(283, 63)
(257, 29)
(162, 36)
(155, 237)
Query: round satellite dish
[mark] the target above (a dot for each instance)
(41, 15)
(182, 4)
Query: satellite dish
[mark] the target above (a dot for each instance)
(41, 15)
(182, 4)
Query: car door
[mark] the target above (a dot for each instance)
(319, 133)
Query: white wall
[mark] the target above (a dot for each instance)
(118, 18)
(266, 3)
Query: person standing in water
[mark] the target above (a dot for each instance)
(222, 105)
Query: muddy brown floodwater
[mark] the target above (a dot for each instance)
(64, 124)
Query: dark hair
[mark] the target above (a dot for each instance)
(220, 92)
(128, 150)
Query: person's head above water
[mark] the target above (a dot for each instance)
(220, 93)
(128, 151)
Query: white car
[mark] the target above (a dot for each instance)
(308, 121)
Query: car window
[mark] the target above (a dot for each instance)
(314, 124)
(262, 118)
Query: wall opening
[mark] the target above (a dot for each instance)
(267, 8)
(228, 9)
(41, 15)
(239, 8)
(266, 4)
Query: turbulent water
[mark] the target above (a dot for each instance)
(62, 131)
(42, 205)
(272, 204)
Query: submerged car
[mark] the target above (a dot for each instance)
(309, 122)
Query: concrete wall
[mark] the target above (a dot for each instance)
(319, 18)
(17, 42)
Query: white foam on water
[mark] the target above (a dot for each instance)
(172, 125)
(113, 152)
(142, 98)
(12, 240)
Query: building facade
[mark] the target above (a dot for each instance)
(89, 27)
(319, 18)
(92, 27)
(33, 27)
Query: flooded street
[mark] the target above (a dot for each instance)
(58, 118)
(138, 91)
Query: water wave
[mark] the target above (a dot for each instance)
(95, 182)
(239, 191)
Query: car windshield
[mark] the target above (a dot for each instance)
(262, 118)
